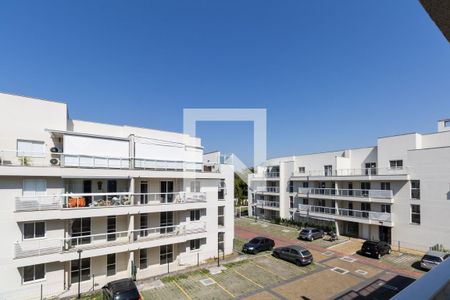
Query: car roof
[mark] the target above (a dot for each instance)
(121, 285)
(436, 253)
(297, 247)
(309, 228)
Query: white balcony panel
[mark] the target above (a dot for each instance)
(97, 147)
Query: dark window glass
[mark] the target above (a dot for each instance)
(111, 264)
(143, 259)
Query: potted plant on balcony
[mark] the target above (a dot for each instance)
(25, 161)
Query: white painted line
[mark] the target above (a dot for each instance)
(348, 259)
(328, 253)
(362, 272)
(207, 281)
(339, 270)
(343, 243)
(286, 230)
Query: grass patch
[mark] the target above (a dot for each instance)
(171, 278)
(235, 264)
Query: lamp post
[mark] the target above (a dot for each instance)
(79, 272)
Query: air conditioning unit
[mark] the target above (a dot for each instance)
(55, 150)
(54, 162)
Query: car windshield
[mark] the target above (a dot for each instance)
(255, 241)
(306, 253)
(432, 258)
(305, 231)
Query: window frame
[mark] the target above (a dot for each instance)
(80, 270)
(34, 231)
(412, 212)
(34, 274)
(163, 261)
(394, 164)
(143, 258)
(108, 264)
(194, 213)
(196, 243)
(195, 186)
(415, 189)
(111, 229)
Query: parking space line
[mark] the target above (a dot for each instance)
(267, 270)
(219, 285)
(257, 284)
(183, 291)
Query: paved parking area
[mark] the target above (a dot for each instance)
(337, 273)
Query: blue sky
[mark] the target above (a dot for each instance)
(331, 74)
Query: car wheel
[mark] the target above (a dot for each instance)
(389, 251)
(276, 255)
(379, 255)
(298, 263)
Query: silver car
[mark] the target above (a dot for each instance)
(432, 258)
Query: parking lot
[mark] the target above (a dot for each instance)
(337, 273)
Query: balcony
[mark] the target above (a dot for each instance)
(103, 200)
(384, 196)
(267, 189)
(367, 172)
(50, 159)
(97, 241)
(268, 204)
(272, 174)
(368, 217)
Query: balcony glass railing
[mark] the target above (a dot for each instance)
(381, 194)
(268, 189)
(352, 213)
(97, 200)
(272, 174)
(353, 172)
(15, 158)
(29, 248)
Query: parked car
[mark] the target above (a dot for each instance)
(375, 248)
(294, 253)
(123, 289)
(310, 234)
(433, 258)
(258, 244)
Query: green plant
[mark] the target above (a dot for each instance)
(440, 248)
(25, 161)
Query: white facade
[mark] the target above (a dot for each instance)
(397, 191)
(134, 200)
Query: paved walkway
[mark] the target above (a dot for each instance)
(250, 232)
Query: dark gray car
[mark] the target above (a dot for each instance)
(310, 234)
(294, 253)
(433, 258)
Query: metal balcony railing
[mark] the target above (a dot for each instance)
(28, 248)
(352, 213)
(268, 189)
(97, 200)
(361, 193)
(354, 172)
(264, 203)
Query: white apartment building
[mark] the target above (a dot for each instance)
(397, 191)
(130, 201)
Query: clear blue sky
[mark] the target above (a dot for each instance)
(332, 74)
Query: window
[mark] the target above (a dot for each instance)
(221, 191)
(221, 215)
(194, 244)
(301, 170)
(33, 230)
(111, 228)
(34, 187)
(386, 208)
(195, 215)
(84, 270)
(221, 240)
(111, 264)
(30, 148)
(415, 189)
(291, 186)
(415, 214)
(81, 231)
(144, 192)
(328, 170)
(165, 254)
(371, 168)
(143, 259)
(305, 201)
(305, 184)
(33, 273)
(143, 225)
(291, 202)
(195, 186)
(365, 187)
(365, 207)
(166, 221)
(385, 186)
(396, 164)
